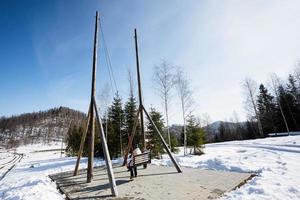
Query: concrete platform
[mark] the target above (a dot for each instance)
(155, 182)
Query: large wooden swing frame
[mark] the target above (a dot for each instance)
(90, 128)
(93, 116)
(140, 111)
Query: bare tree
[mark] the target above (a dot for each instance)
(206, 122)
(105, 99)
(275, 85)
(235, 117)
(131, 83)
(131, 95)
(199, 121)
(297, 72)
(185, 95)
(250, 87)
(163, 77)
(236, 121)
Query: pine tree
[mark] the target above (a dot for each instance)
(287, 102)
(73, 140)
(130, 110)
(155, 143)
(174, 143)
(222, 131)
(251, 130)
(293, 96)
(291, 86)
(266, 109)
(195, 135)
(115, 116)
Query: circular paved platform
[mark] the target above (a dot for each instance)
(155, 182)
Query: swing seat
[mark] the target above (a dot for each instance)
(142, 159)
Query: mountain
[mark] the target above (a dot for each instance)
(211, 130)
(177, 130)
(43, 126)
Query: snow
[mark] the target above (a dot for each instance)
(275, 161)
(5, 157)
(29, 179)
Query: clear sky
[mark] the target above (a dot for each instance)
(46, 49)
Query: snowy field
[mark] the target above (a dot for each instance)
(276, 162)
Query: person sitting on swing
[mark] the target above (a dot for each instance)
(130, 164)
(131, 167)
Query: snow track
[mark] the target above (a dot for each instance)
(6, 167)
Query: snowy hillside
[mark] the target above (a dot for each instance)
(275, 161)
(43, 126)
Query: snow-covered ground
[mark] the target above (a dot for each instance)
(5, 158)
(276, 162)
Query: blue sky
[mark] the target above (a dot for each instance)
(46, 49)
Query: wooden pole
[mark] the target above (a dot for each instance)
(92, 122)
(121, 141)
(140, 89)
(82, 142)
(163, 141)
(130, 139)
(109, 167)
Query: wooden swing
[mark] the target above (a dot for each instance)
(145, 157)
(93, 116)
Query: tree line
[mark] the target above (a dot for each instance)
(277, 107)
(271, 108)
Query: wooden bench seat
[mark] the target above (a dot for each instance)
(142, 159)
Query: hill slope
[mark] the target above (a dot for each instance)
(42, 126)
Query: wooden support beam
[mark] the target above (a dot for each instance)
(130, 139)
(92, 115)
(139, 89)
(92, 121)
(109, 167)
(163, 141)
(82, 141)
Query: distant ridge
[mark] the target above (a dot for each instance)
(42, 126)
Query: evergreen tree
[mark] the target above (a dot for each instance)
(73, 140)
(293, 96)
(291, 87)
(266, 109)
(130, 110)
(251, 130)
(195, 135)
(174, 143)
(222, 131)
(287, 102)
(115, 116)
(155, 143)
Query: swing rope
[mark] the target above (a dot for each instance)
(113, 82)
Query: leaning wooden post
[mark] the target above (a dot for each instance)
(92, 122)
(163, 141)
(130, 139)
(109, 167)
(82, 141)
(140, 89)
